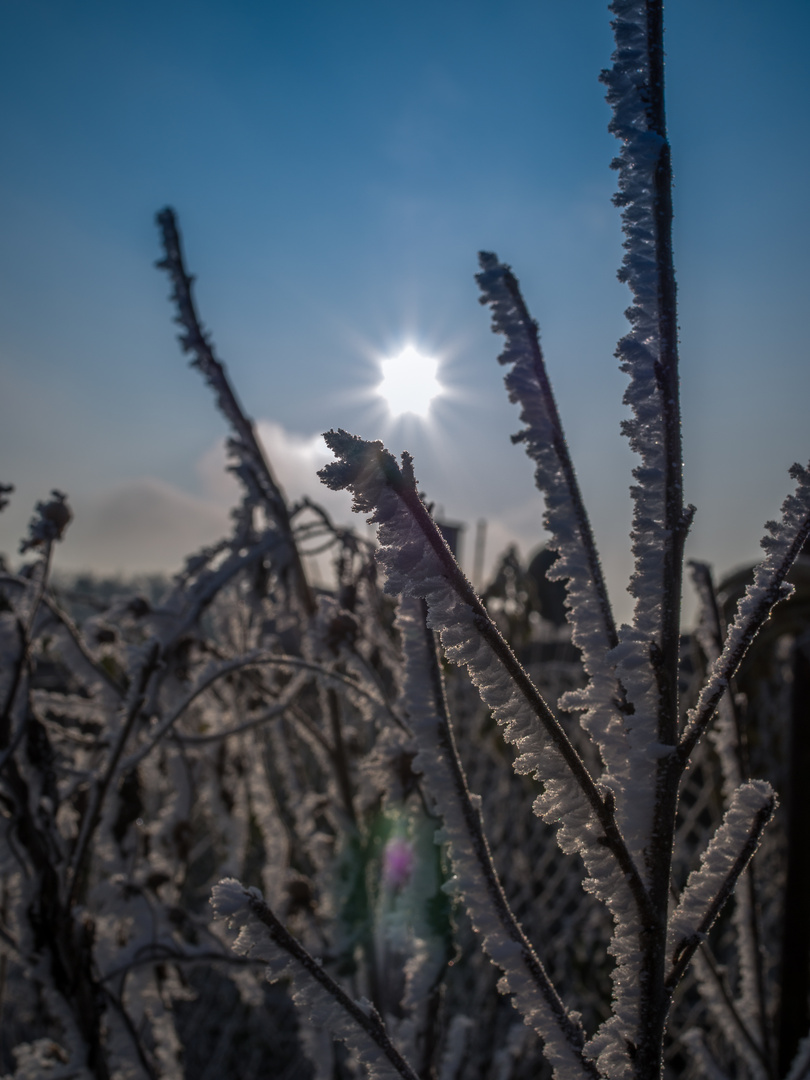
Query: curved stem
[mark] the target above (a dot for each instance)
(195, 341)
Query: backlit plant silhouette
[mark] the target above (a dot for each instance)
(252, 728)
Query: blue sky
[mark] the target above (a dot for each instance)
(335, 168)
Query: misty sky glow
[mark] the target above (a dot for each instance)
(335, 169)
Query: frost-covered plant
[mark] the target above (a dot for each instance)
(163, 746)
(314, 744)
(622, 821)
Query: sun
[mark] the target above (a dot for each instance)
(409, 382)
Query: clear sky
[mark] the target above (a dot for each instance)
(335, 168)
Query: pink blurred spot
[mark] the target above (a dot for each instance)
(397, 862)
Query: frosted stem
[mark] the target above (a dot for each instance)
(491, 915)
(729, 741)
(372, 473)
(529, 384)
(783, 545)
(716, 855)
(728, 737)
(25, 630)
(247, 448)
(368, 1019)
(649, 355)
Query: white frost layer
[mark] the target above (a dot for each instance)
(717, 862)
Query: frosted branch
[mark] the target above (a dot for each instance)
(707, 890)
(769, 586)
(25, 626)
(728, 738)
(195, 340)
(324, 1001)
(648, 354)
(726, 735)
(720, 1001)
(566, 519)
(418, 563)
(446, 787)
(249, 457)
